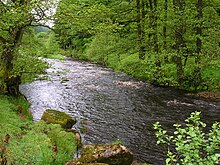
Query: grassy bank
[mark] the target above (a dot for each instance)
(25, 142)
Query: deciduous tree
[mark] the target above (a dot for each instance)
(15, 17)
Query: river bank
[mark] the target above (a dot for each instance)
(25, 142)
(215, 96)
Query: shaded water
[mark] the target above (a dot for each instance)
(111, 106)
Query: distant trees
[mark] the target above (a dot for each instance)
(173, 42)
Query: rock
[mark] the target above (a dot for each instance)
(112, 154)
(138, 163)
(82, 163)
(57, 117)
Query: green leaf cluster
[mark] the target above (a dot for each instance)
(192, 144)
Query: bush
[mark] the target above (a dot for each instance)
(131, 65)
(192, 145)
(100, 48)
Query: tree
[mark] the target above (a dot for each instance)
(140, 5)
(165, 25)
(153, 19)
(197, 71)
(172, 42)
(15, 17)
(180, 45)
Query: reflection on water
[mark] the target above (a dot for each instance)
(111, 106)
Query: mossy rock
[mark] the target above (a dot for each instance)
(111, 154)
(56, 117)
(75, 162)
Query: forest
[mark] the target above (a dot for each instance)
(168, 43)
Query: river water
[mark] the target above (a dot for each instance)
(110, 105)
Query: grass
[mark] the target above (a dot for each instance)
(212, 76)
(31, 143)
(55, 56)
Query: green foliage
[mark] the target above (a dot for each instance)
(101, 47)
(55, 56)
(65, 141)
(31, 148)
(192, 145)
(15, 19)
(51, 44)
(159, 72)
(117, 141)
(42, 44)
(133, 66)
(31, 143)
(211, 73)
(9, 121)
(106, 33)
(29, 72)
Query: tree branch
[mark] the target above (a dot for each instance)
(36, 25)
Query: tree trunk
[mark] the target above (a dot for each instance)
(11, 82)
(179, 41)
(197, 71)
(165, 29)
(140, 28)
(152, 36)
(165, 25)
(155, 38)
(143, 13)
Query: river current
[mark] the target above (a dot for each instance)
(112, 106)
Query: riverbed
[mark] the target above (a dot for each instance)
(111, 106)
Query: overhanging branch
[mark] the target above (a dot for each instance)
(32, 25)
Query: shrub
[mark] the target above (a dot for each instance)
(192, 145)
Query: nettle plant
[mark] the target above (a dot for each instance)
(192, 145)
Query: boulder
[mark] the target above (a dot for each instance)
(112, 154)
(57, 117)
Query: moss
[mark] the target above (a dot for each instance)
(112, 154)
(57, 117)
(81, 163)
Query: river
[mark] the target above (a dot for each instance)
(110, 105)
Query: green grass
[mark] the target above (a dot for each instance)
(55, 56)
(31, 143)
(211, 76)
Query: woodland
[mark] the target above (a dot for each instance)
(167, 42)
